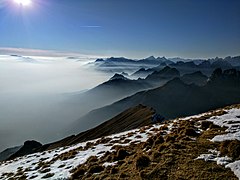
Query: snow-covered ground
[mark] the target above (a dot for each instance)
(230, 120)
(44, 164)
(59, 163)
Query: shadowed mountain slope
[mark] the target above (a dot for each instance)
(197, 78)
(159, 78)
(175, 98)
(8, 152)
(142, 73)
(116, 88)
(131, 118)
(203, 146)
(28, 148)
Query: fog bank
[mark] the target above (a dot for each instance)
(33, 96)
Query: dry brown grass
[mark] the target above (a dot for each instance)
(142, 161)
(170, 157)
(164, 127)
(230, 148)
(47, 176)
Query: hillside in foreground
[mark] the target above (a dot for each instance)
(204, 146)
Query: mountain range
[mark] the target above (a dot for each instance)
(169, 89)
(119, 87)
(175, 98)
(206, 66)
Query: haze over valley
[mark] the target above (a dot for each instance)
(43, 98)
(34, 94)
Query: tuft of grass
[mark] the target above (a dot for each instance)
(224, 148)
(45, 170)
(189, 132)
(65, 156)
(206, 124)
(49, 175)
(121, 154)
(92, 160)
(95, 169)
(138, 137)
(33, 177)
(171, 137)
(142, 161)
(164, 127)
(8, 174)
(113, 170)
(61, 166)
(78, 173)
(158, 141)
(230, 148)
(234, 149)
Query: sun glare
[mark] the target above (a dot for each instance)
(23, 2)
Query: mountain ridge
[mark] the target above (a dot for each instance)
(191, 147)
(173, 99)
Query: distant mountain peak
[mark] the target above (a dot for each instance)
(118, 76)
(162, 58)
(226, 75)
(99, 60)
(169, 70)
(151, 58)
(166, 73)
(28, 147)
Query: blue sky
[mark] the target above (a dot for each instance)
(131, 28)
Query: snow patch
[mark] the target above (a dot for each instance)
(230, 120)
(212, 157)
(61, 168)
(235, 167)
(106, 164)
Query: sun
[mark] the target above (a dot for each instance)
(23, 2)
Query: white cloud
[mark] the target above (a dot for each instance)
(44, 53)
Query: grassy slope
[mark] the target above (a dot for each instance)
(164, 157)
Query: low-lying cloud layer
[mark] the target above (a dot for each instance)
(34, 92)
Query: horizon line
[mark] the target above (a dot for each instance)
(59, 53)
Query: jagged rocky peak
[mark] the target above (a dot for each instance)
(28, 147)
(151, 58)
(163, 58)
(166, 72)
(142, 69)
(217, 73)
(124, 74)
(118, 76)
(229, 72)
(169, 70)
(99, 60)
(225, 76)
(205, 64)
(220, 63)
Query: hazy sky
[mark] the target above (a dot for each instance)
(133, 28)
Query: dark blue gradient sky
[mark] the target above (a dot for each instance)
(132, 28)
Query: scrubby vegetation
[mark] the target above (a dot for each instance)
(168, 156)
(170, 152)
(231, 149)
